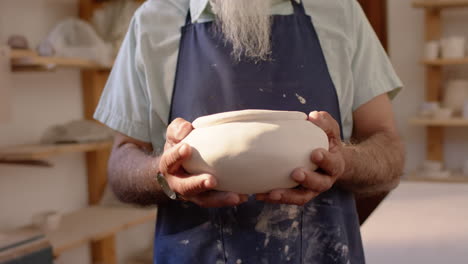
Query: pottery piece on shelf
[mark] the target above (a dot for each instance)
(453, 47)
(47, 221)
(465, 110)
(443, 113)
(455, 95)
(77, 131)
(428, 109)
(431, 50)
(18, 42)
(434, 169)
(465, 168)
(432, 165)
(6, 92)
(45, 48)
(76, 38)
(253, 151)
(443, 174)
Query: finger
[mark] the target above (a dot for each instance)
(190, 185)
(261, 196)
(177, 130)
(172, 158)
(330, 162)
(312, 180)
(299, 196)
(325, 121)
(328, 124)
(216, 199)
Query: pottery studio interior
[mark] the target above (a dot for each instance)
(358, 154)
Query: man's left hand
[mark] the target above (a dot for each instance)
(312, 183)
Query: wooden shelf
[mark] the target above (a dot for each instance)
(28, 60)
(42, 151)
(440, 3)
(92, 224)
(442, 62)
(453, 122)
(419, 177)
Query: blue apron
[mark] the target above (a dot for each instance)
(326, 230)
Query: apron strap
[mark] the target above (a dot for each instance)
(188, 18)
(298, 7)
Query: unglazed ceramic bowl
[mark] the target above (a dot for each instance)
(253, 151)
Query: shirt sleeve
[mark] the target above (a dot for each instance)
(373, 72)
(124, 103)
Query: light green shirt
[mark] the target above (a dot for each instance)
(136, 100)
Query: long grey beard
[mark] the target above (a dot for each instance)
(246, 25)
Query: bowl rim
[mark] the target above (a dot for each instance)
(247, 115)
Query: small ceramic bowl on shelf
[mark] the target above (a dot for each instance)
(47, 220)
(443, 174)
(432, 50)
(431, 165)
(443, 113)
(465, 169)
(465, 110)
(453, 47)
(428, 109)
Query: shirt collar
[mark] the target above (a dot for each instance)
(198, 6)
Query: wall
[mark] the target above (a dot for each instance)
(406, 40)
(40, 100)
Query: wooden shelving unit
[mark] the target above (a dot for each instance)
(94, 224)
(445, 62)
(453, 122)
(28, 60)
(438, 4)
(434, 78)
(39, 152)
(434, 75)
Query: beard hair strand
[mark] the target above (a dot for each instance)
(246, 25)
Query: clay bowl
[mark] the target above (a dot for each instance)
(253, 151)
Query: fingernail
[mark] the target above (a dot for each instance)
(319, 156)
(300, 177)
(275, 196)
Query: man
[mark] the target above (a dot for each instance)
(320, 57)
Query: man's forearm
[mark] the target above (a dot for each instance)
(132, 175)
(374, 165)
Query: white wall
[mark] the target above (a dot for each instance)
(406, 42)
(40, 100)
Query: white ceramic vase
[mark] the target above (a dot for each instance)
(253, 151)
(455, 95)
(453, 47)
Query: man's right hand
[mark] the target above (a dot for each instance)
(194, 188)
